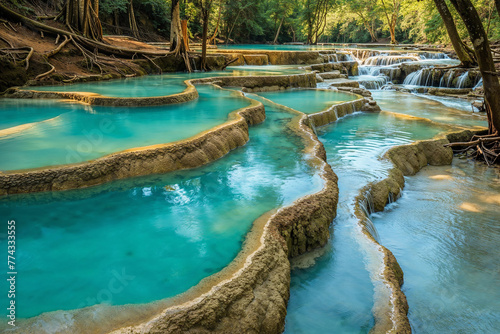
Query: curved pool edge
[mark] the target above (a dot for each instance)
(252, 292)
(188, 94)
(407, 160)
(198, 150)
(336, 111)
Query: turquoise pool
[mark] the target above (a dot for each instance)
(80, 133)
(164, 232)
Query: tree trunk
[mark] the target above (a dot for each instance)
(184, 31)
(458, 45)
(479, 39)
(278, 31)
(367, 26)
(131, 20)
(118, 31)
(392, 30)
(497, 4)
(82, 16)
(177, 42)
(205, 15)
(175, 26)
(212, 39)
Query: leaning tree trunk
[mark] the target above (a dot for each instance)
(211, 40)
(278, 31)
(466, 59)
(82, 16)
(479, 39)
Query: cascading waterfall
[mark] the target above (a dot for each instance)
(479, 84)
(461, 79)
(433, 55)
(385, 60)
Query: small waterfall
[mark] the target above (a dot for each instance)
(384, 60)
(364, 70)
(414, 78)
(313, 127)
(479, 83)
(450, 78)
(433, 55)
(194, 64)
(374, 83)
(461, 79)
(367, 207)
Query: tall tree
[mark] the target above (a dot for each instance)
(178, 40)
(205, 7)
(479, 39)
(214, 35)
(365, 11)
(466, 59)
(391, 12)
(278, 11)
(82, 16)
(315, 13)
(131, 20)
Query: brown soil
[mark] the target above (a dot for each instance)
(69, 63)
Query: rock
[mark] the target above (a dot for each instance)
(331, 75)
(256, 59)
(344, 83)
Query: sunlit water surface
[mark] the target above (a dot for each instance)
(337, 294)
(165, 84)
(445, 233)
(308, 101)
(80, 133)
(164, 232)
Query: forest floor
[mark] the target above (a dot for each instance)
(69, 63)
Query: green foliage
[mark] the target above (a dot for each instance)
(348, 21)
(109, 7)
(151, 15)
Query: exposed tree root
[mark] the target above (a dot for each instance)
(485, 148)
(27, 60)
(59, 48)
(155, 65)
(105, 48)
(40, 76)
(14, 54)
(7, 41)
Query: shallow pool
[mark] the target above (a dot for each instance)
(443, 110)
(337, 294)
(445, 234)
(308, 101)
(81, 132)
(162, 85)
(162, 233)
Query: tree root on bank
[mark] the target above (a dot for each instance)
(103, 47)
(485, 148)
(14, 54)
(40, 76)
(59, 48)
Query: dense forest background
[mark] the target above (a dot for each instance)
(282, 21)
